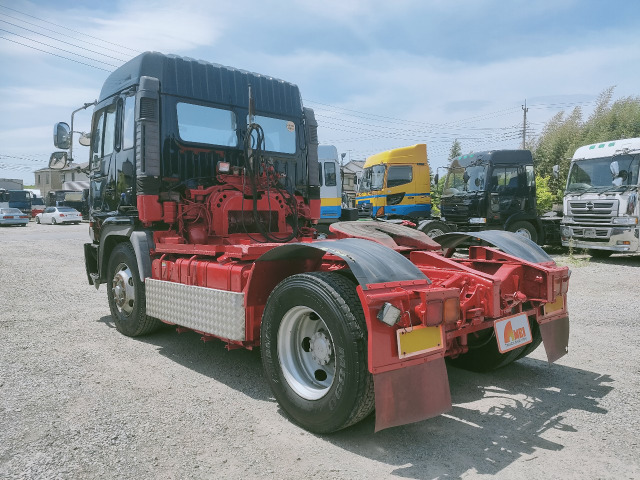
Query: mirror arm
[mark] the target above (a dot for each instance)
(84, 107)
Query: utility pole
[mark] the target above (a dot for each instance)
(524, 123)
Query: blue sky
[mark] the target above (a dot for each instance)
(379, 74)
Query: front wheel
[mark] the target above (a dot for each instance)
(53, 221)
(38, 220)
(125, 292)
(525, 229)
(434, 228)
(314, 351)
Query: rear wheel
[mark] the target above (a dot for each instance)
(434, 228)
(125, 292)
(536, 339)
(314, 351)
(525, 229)
(483, 354)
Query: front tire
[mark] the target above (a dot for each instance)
(53, 221)
(126, 295)
(314, 351)
(525, 229)
(434, 228)
(38, 220)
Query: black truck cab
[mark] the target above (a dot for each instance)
(490, 190)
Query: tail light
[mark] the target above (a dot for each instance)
(451, 310)
(442, 310)
(61, 215)
(560, 285)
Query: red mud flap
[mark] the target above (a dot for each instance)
(555, 336)
(411, 394)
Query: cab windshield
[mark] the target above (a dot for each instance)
(372, 179)
(464, 179)
(600, 174)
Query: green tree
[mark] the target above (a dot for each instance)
(563, 134)
(456, 150)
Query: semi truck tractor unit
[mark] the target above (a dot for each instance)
(395, 184)
(601, 198)
(204, 199)
(493, 190)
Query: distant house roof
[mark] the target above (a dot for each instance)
(353, 166)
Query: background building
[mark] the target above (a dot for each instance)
(69, 178)
(351, 174)
(11, 184)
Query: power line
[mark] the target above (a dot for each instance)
(60, 33)
(54, 54)
(57, 48)
(66, 28)
(58, 40)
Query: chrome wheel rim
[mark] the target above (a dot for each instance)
(523, 232)
(306, 353)
(124, 293)
(435, 232)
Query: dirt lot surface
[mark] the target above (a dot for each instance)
(80, 401)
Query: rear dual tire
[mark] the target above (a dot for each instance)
(484, 355)
(314, 351)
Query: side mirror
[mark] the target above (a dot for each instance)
(62, 136)
(556, 171)
(85, 139)
(615, 168)
(58, 160)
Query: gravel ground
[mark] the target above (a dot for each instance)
(79, 400)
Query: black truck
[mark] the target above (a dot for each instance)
(492, 190)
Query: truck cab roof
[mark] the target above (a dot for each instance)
(520, 157)
(201, 80)
(607, 149)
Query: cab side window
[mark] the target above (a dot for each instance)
(128, 131)
(96, 153)
(399, 175)
(330, 174)
(531, 177)
(109, 131)
(505, 179)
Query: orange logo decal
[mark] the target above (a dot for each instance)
(511, 335)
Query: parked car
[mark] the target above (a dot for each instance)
(13, 216)
(37, 206)
(57, 215)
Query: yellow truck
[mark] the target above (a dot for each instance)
(396, 184)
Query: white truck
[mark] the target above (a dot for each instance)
(600, 206)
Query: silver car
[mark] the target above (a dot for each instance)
(58, 215)
(13, 216)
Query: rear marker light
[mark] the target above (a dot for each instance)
(389, 314)
(451, 310)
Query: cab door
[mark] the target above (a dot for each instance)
(507, 183)
(407, 192)
(112, 158)
(102, 192)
